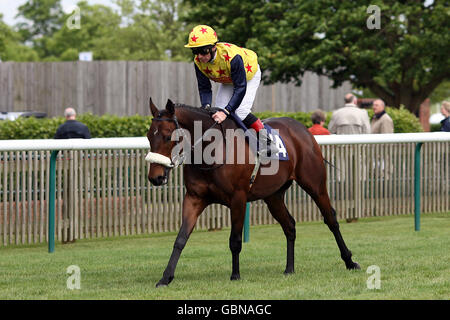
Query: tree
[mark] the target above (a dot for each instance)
(137, 31)
(441, 93)
(402, 61)
(168, 17)
(233, 22)
(42, 19)
(97, 33)
(11, 48)
(5, 34)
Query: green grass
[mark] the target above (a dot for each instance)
(414, 265)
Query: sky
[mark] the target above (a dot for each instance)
(9, 7)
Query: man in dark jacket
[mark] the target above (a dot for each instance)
(72, 128)
(69, 130)
(445, 110)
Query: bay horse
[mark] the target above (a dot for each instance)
(228, 184)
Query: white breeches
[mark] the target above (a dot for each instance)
(225, 92)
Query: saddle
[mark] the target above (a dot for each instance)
(272, 145)
(271, 148)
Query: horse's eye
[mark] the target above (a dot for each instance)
(167, 138)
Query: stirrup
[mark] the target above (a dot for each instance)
(268, 151)
(268, 146)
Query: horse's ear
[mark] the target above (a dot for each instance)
(170, 107)
(153, 108)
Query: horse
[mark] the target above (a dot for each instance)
(228, 183)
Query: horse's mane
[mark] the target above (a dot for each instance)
(200, 112)
(195, 110)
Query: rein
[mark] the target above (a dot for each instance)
(177, 125)
(201, 139)
(183, 158)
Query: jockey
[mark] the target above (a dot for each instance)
(237, 71)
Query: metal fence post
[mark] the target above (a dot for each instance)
(51, 202)
(247, 223)
(417, 187)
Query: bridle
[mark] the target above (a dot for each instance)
(169, 163)
(174, 119)
(182, 158)
(163, 160)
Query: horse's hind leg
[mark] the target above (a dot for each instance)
(279, 211)
(192, 208)
(314, 183)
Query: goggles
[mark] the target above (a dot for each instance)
(201, 50)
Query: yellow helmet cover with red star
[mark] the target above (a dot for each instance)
(201, 35)
(219, 70)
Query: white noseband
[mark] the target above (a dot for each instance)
(158, 158)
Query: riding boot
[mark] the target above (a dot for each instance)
(267, 146)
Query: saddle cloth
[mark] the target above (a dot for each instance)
(273, 133)
(282, 153)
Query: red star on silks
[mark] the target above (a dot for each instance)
(227, 57)
(221, 72)
(249, 68)
(203, 30)
(215, 34)
(227, 44)
(207, 70)
(194, 38)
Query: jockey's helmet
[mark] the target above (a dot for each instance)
(201, 36)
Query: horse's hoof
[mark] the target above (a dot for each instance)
(354, 266)
(288, 272)
(235, 277)
(161, 284)
(164, 282)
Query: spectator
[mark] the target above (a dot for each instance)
(69, 130)
(72, 128)
(318, 119)
(349, 119)
(381, 122)
(445, 110)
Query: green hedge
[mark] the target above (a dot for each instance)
(137, 126)
(404, 121)
(105, 126)
(435, 127)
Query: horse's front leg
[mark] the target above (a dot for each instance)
(237, 223)
(192, 208)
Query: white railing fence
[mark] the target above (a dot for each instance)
(102, 188)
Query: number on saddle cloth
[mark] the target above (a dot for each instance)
(279, 143)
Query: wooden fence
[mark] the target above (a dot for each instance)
(106, 193)
(123, 88)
